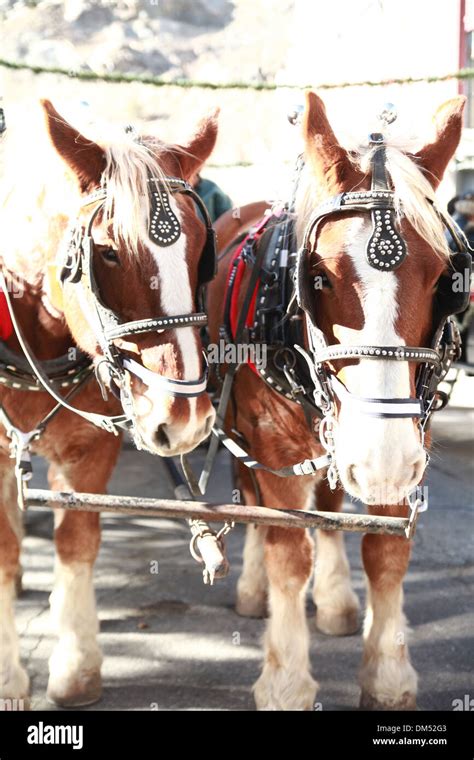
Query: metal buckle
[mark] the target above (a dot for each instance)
(417, 503)
(20, 451)
(214, 559)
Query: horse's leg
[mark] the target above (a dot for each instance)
(337, 605)
(286, 682)
(387, 677)
(252, 586)
(75, 677)
(14, 682)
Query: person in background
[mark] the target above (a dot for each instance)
(217, 202)
(461, 208)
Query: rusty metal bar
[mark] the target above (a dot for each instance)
(176, 509)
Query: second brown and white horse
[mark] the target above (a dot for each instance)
(379, 460)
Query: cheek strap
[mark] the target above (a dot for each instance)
(158, 382)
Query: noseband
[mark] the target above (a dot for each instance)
(385, 251)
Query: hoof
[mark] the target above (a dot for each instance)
(334, 622)
(14, 692)
(80, 690)
(406, 702)
(252, 606)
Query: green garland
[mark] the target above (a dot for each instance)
(92, 76)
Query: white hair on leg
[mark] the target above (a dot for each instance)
(387, 677)
(76, 659)
(14, 681)
(286, 682)
(252, 586)
(337, 612)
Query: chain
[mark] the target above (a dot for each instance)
(327, 429)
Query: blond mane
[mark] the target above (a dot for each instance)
(130, 162)
(414, 196)
(38, 191)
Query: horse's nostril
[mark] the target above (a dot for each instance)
(208, 425)
(351, 475)
(161, 437)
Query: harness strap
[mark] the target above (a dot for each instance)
(21, 442)
(306, 467)
(109, 423)
(230, 374)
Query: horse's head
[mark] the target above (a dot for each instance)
(146, 249)
(356, 300)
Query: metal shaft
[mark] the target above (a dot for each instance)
(176, 509)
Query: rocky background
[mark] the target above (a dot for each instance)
(177, 38)
(282, 41)
(213, 40)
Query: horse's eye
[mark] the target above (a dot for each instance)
(321, 280)
(110, 255)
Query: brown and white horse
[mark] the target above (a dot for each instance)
(356, 306)
(48, 179)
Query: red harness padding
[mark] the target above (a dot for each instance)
(234, 312)
(6, 325)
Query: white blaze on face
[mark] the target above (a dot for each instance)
(381, 379)
(176, 297)
(377, 458)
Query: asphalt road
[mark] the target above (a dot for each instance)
(170, 642)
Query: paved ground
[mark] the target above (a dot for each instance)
(170, 642)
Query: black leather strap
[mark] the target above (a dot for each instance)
(158, 324)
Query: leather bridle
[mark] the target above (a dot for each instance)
(78, 269)
(386, 251)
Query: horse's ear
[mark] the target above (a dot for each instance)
(435, 156)
(84, 157)
(192, 156)
(329, 160)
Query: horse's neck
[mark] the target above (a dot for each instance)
(44, 329)
(35, 224)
